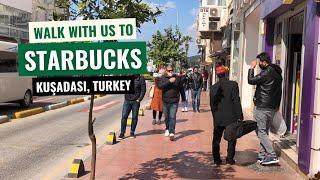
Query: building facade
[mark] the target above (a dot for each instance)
(292, 38)
(212, 19)
(288, 30)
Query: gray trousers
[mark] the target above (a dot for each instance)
(264, 119)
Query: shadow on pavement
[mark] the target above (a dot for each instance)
(183, 134)
(181, 120)
(189, 165)
(246, 157)
(151, 132)
(179, 135)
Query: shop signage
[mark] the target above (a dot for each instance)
(82, 30)
(66, 55)
(85, 59)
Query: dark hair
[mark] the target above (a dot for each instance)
(264, 57)
(221, 75)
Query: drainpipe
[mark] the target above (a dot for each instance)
(315, 144)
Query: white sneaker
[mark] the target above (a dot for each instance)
(166, 133)
(185, 109)
(171, 136)
(182, 110)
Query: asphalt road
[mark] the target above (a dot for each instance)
(43, 146)
(9, 108)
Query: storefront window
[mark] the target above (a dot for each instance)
(235, 64)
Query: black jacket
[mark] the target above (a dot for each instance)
(171, 91)
(225, 102)
(269, 87)
(186, 81)
(139, 90)
(196, 81)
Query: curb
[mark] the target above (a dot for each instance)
(29, 112)
(4, 119)
(34, 111)
(57, 106)
(285, 155)
(75, 101)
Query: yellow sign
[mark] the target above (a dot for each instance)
(287, 1)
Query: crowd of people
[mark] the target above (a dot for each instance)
(169, 87)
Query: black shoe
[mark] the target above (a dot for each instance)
(230, 161)
(194, 111)
(218, 162)
(121, 137)
(132, 136)
(198, 111)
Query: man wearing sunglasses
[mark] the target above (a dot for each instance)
(172, 87)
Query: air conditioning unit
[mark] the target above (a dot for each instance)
(214, 19)
(209, 19)
(201, 42)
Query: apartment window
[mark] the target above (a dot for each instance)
(217, 2)
(222, 3)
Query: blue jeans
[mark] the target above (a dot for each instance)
(187, 93)
(129, 106)
(170, 114)
(196, 99)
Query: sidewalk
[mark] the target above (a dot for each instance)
(153, 156)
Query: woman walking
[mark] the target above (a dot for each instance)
(156, 102)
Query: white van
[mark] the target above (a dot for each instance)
(12, 87)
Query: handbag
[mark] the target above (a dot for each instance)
(148, 105)
(151, 91)
(238, 129)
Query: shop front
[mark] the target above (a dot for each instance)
(290, 39)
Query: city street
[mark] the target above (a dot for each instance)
(44, 145)
(212, 89)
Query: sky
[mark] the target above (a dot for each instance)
(187, 12)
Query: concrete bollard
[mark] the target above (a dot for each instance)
(111, 138)
(77, 169)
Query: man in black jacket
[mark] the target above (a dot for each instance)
(226, 109)
(196, 86)
(267, 101)
(132, 103)
(172, 87)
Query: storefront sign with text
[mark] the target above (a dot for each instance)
(87, 59)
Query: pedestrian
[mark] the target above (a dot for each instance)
(172, 89)
(205, 77)
(156, 102)
(267, 101)
(196, 85)
(186, 86)
(132, 104)
(226, 109)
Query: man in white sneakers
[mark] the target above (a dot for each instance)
(172, 87)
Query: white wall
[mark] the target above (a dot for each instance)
(251, 49)
(25, 5)
(315, 155)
